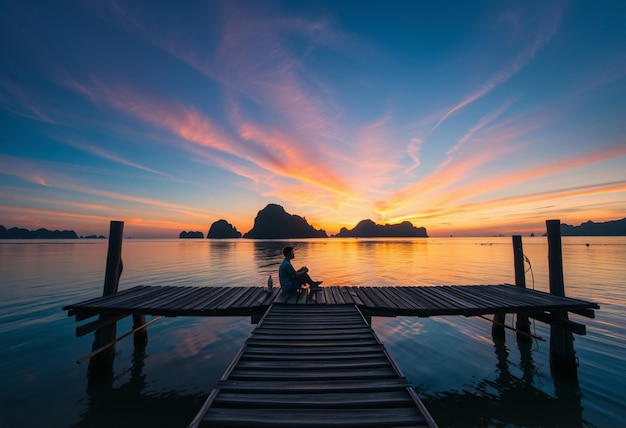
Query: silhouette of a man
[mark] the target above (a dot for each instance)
(291, 279)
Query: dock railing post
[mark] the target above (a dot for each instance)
(562, 354)
(522, 324)
(102, 362)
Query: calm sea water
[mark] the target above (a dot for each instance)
(457, 371)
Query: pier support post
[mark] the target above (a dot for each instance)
(497, 327)
(102, 362)
(562, 354)
(522, 324)
(140, 337)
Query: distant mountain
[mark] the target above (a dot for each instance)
(20, 233)
(222, 229)
(272, 222)
(191, 235)
(609, 228)
(369, 229)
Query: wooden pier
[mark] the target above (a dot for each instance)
(468, 300)
(313, 366)
(313, 360)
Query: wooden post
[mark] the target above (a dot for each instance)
(102, 362)
(140, 337)
(522, 325)
(562, 354)
(498, 332)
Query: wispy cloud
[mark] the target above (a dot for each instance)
(105, 154)
(543, 35)
(55, 175)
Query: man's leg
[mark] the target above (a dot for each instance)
(308, 280)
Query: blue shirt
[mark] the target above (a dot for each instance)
(286, 275)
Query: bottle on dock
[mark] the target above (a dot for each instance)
(270, 283)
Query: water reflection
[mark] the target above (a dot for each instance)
(509, 400)
(269, 254)
(128, 405)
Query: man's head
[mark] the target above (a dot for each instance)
(288, 252)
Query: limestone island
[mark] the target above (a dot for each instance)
(589, 228)
(20, 233)
(272, 222)
(369, 229)
(222, 229)
(191, 235)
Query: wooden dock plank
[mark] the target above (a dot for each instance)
(289, 374)
(319, 386)
(357, 418)
(388, 301)
(206, 297)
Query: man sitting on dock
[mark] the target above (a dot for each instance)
(291, 279)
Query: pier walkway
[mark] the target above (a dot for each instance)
(468, 300)
(313, 360)
(313, 366)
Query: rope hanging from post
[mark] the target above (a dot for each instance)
(512, 328)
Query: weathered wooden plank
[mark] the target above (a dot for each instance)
(313, 365)
(418, 304)
(337, 374)
(573, 326)
(313, 343)
(120, 295)
(334, 290)
(311, 331)
(589, 313)
(154, 300)
(315, 385)
(378, 299)
(233, 297)
(258, 296)
(393, 295)
(215, 298)
(330, 400)
(302, 297)
(417, 301)
(432, 303)
(466, 300)
(365, 298)
(181, 300)
(314, 418)
(354, 294)
(307, 356)
(459, 300)
(345, 294)
(290, 368)
(166, 302)
(222, 298)
(438, 295)
(286, 325)
(207, 296)
(99, 323)
(339, 349)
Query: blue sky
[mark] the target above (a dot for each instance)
(467, 118)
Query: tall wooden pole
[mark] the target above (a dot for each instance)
(562, 354)
(522, 325)
(102, 362)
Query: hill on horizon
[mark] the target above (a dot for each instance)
(273, 222)
(369, 229)
(590, 228)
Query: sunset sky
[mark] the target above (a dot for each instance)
(465, 117)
